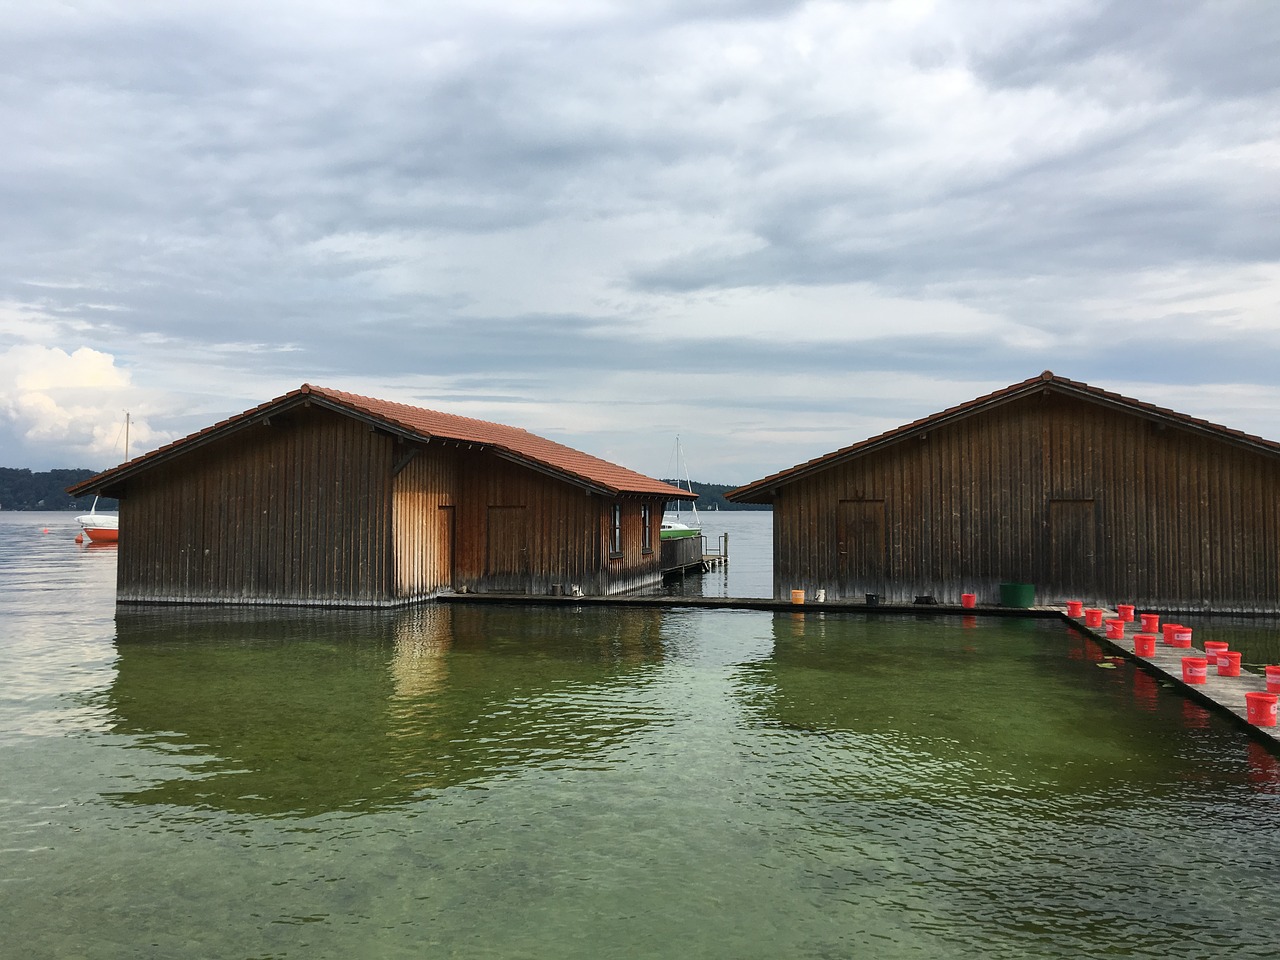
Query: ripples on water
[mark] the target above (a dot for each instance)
(499, 782)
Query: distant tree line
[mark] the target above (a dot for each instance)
(22, 489)
(711, 496)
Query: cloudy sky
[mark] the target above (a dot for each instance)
(772, 228)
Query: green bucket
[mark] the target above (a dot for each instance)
(1017, 594)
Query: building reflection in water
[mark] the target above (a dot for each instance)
(303, 712)
(1000, 704)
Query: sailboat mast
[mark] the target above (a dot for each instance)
(688, 484)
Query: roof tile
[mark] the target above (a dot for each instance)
(574, 465)
(513, 440)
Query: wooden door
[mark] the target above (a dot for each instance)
(507, 548)
(860, 540)
(1073, 548)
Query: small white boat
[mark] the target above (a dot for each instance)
(674, 526)
(104, 527)
(100, 527)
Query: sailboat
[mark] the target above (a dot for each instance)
(104, 527)
(674, 526)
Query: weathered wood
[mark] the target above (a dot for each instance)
(682, 553)
(320, 509)
(1084, 500)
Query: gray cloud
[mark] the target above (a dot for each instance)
(515, 210)
(1212, 50)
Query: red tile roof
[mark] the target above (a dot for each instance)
(761, 491)
(512, 443)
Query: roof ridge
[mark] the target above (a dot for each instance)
(1043, 379)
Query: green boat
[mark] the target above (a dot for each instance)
(675, 530)
(673, 524)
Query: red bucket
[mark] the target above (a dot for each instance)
(1144, 644)
(968, 600)
(1195, 669)
(1150, 622)
(1125, 610)
(1229, 663)
(1273, 679)
(1261, 708)
(1168, 629)
(1182, 636)
(1214, 647)
(1075, 608)
(1093, 617)
(1115, 629)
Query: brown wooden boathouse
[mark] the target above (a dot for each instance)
(321, 497)
(1080, 492)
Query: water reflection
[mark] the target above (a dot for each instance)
(986, 785)
(944, 710)
(1263, 769)
(1146, 691)
(306, 712)
(1257, 637)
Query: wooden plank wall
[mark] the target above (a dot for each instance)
(467, 519)
(293, 512)
(423, 513)
(307, 511)
(566, 532)
(1082, 500)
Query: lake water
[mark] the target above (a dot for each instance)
(471, 781)
(749, 572)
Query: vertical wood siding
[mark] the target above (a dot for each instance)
(424, 532)
(522, 531)
(310, 510)
(292, 512)
(1084, 501)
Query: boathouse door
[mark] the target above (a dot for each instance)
(507, 549)
(1073, 547)
(860, 545)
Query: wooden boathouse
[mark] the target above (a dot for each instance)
(321, 497)
(1076, 491)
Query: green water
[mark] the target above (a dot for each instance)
(1257, 638)
(472, 781)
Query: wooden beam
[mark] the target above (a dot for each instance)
(404, 461)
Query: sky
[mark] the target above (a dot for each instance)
(768, 228)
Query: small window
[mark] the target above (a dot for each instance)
(646, 528)
(615, 539)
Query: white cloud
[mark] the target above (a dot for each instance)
(33, 368)
(75, 402)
